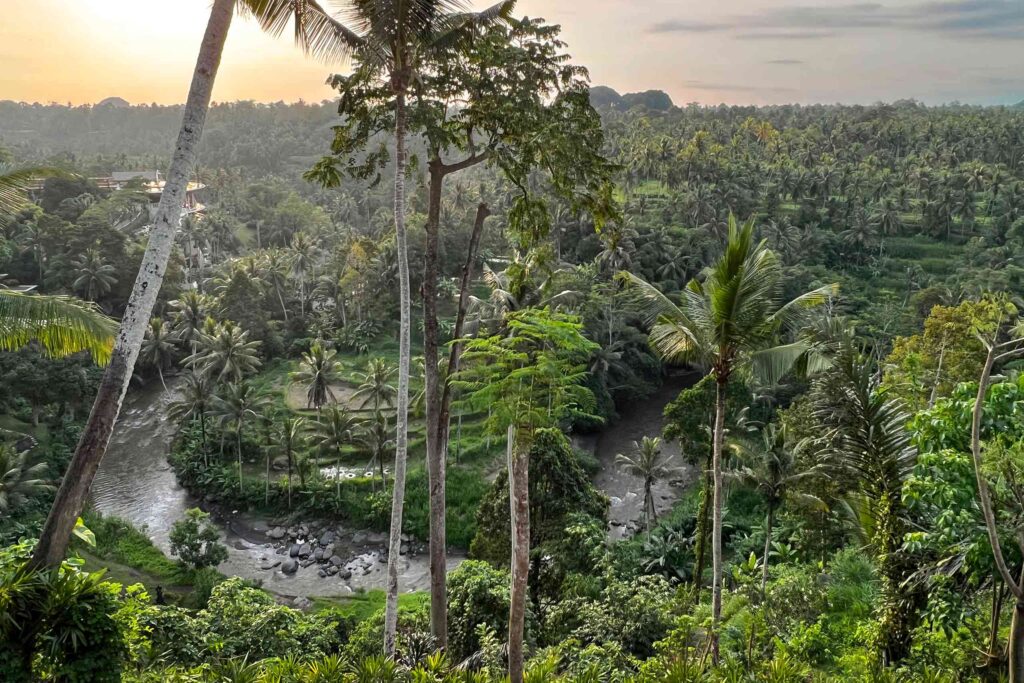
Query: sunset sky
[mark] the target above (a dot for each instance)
(740, 51)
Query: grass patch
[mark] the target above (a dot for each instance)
(364, 605)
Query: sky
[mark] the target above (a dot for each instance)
(731, 51)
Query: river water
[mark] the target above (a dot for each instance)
(136, 483)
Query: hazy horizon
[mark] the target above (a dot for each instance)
(751, 52)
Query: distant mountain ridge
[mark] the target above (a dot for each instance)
(118, 102)
(603, 97)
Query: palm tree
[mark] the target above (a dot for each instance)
(340, 429)
(290, 439)
(275, 265)
(375, 388)
(94, 276)
(303, 253)
(646, 461)
(227, 354)
(770, 468)
(391, 42)
(157, 349)
(729, 320)
(195, 401)
(316, 33)
(318, 371)
(235, 406)
(62, 325)
(190, 311)
(20, 478)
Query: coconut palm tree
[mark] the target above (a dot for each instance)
(290, 438)
(302, 256)
(21, 478)
(62, 325)
(339, 429)
(14, 185)
(275, 265)
(318, 371)
(157, 347)
(195, 401)
(93, 275)
(729, 320)
(237, 403)
(227, 354)
(646, 461)
(316, 33)
(769, 466)
(375, 388)
(190, 312)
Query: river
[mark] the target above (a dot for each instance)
(136, 483)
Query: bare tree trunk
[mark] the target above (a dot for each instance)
(716, 516)
(402, 407)
(435, 451)
(519, 501)
(1016, 642)
(701, 549)
(769, 521)
(74, 489)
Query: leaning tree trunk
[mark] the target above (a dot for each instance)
(519, 503)
(716, 514)
(402, 407)
(74, 489)
(435, 451)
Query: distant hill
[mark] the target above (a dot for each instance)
(603, 97)
(118, 102)
(1019, 105)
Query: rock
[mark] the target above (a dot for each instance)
(289, 566)
(405, 538)
(318, 555)
(327, 538)
(277, 533)
(332, 570)
(336, 561)
(358, 537)
(282, 550)
(403, 549)
(306, 563)
(305, 550)
(294, 550)
(328, 550)
(269, 564)
(345, 574)
(280, 463)
(322, 573)
(302, 603)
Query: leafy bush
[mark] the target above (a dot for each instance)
(477, 594)
(196, 541)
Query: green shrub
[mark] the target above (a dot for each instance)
(477, 594)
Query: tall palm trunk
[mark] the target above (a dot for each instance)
(74, 489)
(435, 450)
(402, 408)
(241, 484)
(519, 500)
(769, 522)
(701, 550)
(716, 513)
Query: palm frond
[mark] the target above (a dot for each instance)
(63, 325)
(317, 33)
(14, 183)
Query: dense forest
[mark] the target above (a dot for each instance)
(698, 393)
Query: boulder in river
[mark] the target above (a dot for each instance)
(302, 603)
(277, 533)
(345, 574)
(290, 566)
(305, 550)
(336, 561)
(294, 550)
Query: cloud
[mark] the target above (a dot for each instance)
(964, 19)
(785, 62)
(734, 87)
(675, 26)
